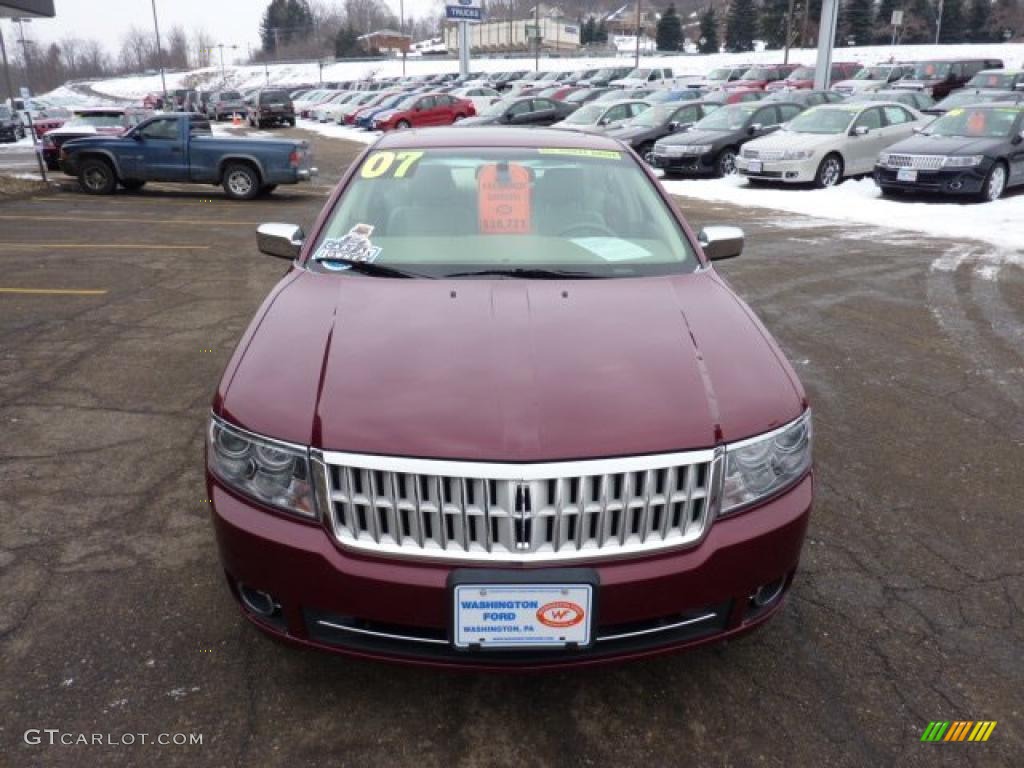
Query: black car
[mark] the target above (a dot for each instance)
(976, 151)
(711, 146)
(807, 98)
(659, 121)
(269, 106)
(525, 110)
(602, 77)
(11, 128)
(966, 98)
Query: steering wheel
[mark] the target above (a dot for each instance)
(587, 228)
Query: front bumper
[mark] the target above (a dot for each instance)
(399, 610)
(695, 165)
(947, 181)
(788, 171)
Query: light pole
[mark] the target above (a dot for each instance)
(637, 63)
(24, 51)
(938, 24)
(401, 31)
(159, 52)
(7, 69)
(223, 72)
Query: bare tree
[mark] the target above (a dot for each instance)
(177, 49)
(202, 48)
(136, 49)
(70, 49)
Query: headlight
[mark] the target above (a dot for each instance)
(962, 161)
(696, 149)
(269, 471)
(883, 158)
(761, 466)
(797, 154)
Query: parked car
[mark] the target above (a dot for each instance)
(423, 110)
(380, 98)
(480, 96)
(940, 77)
(271, 106)
(711, 147)
(971, 151)
(585, 95)
(225, 104)
(738, 96)
(346, 106)
(358, 515)
(185, 99)
(618, 94)
(719, 77)
(661, 120)
(600, 116)
(181, 148)
(558, 92)
(804, 97)
(324, 111)
(646, 77)
(998, 80)
(506, 79)
(669, 95)
(11, 128)
(363, 117)
(826, 144)
(964, 98)
(758, 78)
(88, 121)
(528, 110)
(873, 78)
(604, 76)
(919, 100)
(803, 77)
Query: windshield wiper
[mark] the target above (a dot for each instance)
(377, 270)
(529, 273)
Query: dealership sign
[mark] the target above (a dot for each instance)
(464, 10)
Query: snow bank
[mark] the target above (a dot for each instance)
(334, 131)
(1000, 223)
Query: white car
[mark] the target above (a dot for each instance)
(359, 100)
(873, 78)
(825, 144)
(481, 97)
(598, 117)
(322, 112)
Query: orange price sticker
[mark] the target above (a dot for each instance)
(503, 199)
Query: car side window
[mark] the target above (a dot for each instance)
(871, 118)
(540, 105)
(766, 116)
(685, 115)
(897, 116)
(519, 108)
(616, 113)
(751, 96)
(427, 102)
(788, 112)
(636, 109)
(163, 129)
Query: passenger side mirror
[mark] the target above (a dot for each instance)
(917, 129)
(1018, 138)
(755, 128)
(281, 240)
(861, 130)
(721, 242)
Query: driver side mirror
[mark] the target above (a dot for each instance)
(755, 128)
(721, 242)
(917, 129)
(281, 240)
(861, 130)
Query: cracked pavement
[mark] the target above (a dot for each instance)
(116, 619)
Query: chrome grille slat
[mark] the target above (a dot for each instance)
(916, 162)
(519, 513)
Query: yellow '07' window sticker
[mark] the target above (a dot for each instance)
(385, 163)
(603, 154)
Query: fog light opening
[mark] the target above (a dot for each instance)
(768, 593)
(956, 185)
(259, 602)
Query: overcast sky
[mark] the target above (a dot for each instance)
(232, 22)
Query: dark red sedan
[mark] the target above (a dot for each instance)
(502, 411)
(422, 110)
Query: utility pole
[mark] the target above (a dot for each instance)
(636, 65)
(159, 52)
(25, 53)
(536, 39)
(401, 31)
(7, 68)
(938, 23)
(789, 32)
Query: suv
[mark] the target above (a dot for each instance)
(873, 78)
(939, 77)
(802, 78)
(11, 128)
(221, 104)
(757, 78)
(271, 106)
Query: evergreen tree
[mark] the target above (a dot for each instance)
(953, 22)
(346, 42)
(772, 22)
(859, 21)
(883, 21)
(669, 35)
(284, 21)
(589, 31)
(740, 26)
(980, 25)
(709, 31)
(840, 40)
(601, 34)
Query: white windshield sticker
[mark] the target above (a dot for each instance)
(354, 246)
(612, 248)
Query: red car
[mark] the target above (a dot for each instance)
(89, 121)
(502, 411)
(422, 110)
(374, 103)
(761, 76)
(802, 78)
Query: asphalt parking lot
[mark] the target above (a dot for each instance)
(115, 618)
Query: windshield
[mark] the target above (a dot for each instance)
(722, 73)
(495, 109)
(802, 73)
(977, 122)
(873, 73)
(931, 70)
(5, 112)
(757, 73)
(823, 120)
(639, 74)
(992, 80)
(96, 121)
(408, 102)
(602, 73)
(230, 96)
(587, 114)
(273, 97)
(727, 119)
(654, 116)
(962, 98)
(439, 212)
(579, 96)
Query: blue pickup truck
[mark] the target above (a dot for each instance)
(181, 147)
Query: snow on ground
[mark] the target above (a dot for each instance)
(282, 74)
(335, 131)
(1000, 223)
(17, 146)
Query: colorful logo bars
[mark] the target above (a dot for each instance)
(958, 730)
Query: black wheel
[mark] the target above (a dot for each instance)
(725, 165)
(241, 181)
(133, 184)
(401, 125)
(291, 122)
(97, 176)
(646, 152)
(995, 184)
(830, 172)
(266, 189)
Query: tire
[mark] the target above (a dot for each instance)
(132, 184)
(401, 125)
(995, 184)
(241, 181)
(830, 171)
(291, 122)
(266, 189)
(97, 176)
(261, 124)
(725, 163)
(646, 152)
(459, 117)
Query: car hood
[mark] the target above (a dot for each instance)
(792, 140)
(915, 85)
(626, 133)
(507, 370)
(697, 137)
(479, 121)
(921, 144)
(858, 85)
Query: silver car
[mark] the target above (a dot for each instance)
(599, 116)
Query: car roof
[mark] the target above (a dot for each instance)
(469, 136)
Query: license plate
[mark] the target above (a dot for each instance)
(906, 174)
(517, 616)
(755, 166)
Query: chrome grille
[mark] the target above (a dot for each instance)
(517, 512)
(917, 162)
(763, 154)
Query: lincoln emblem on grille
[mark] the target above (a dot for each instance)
(524, 508)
